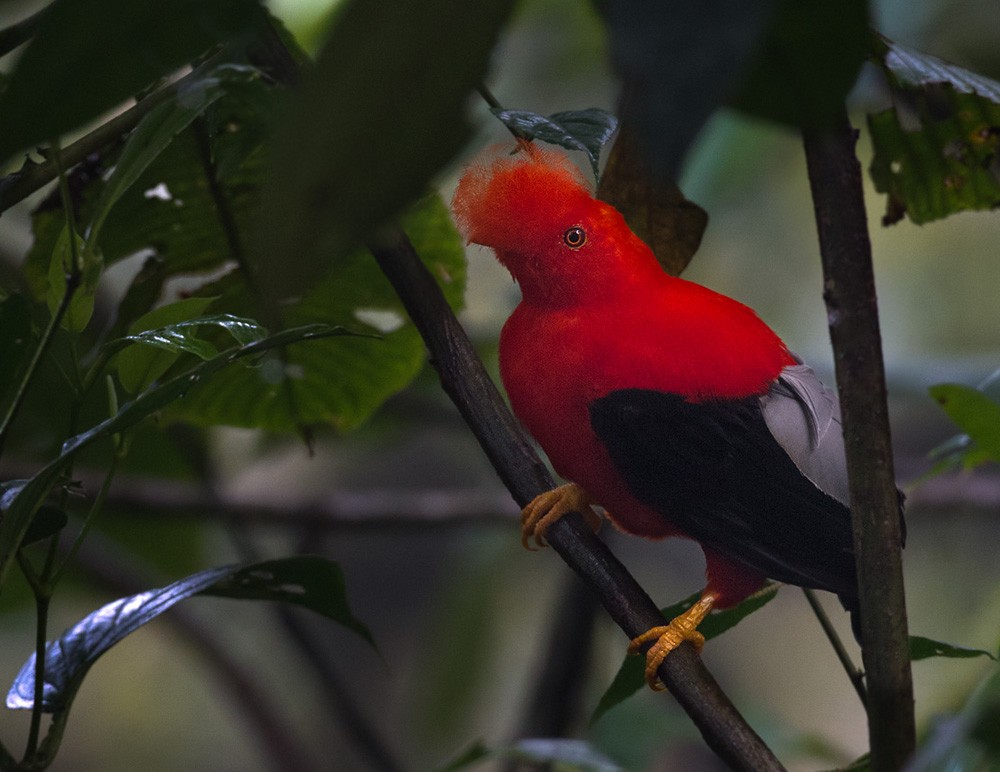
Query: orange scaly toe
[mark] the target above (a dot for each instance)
(669, 637)
(546, 508)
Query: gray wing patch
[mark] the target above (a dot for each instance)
(804, 417)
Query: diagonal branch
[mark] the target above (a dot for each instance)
(509, 450)
(849, 290)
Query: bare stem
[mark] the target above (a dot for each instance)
(856, 676)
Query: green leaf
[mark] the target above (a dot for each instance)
(939, 155)
(48, 520)
(22, 509)
(679, 63)
(15, 338)
(308, 581)
(587, 130)
(68, 76)
(158, 129)
(925, 648)
(967, 740)
(167, 206)
(631, 675)
(380, 114)
(334, 382)
(139, 366)
(806, 62)
(974, 412)
(81, 306)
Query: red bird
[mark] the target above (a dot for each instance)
(673, 407)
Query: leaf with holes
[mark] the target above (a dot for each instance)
(308, 581)
(938, 151)
(925, 648)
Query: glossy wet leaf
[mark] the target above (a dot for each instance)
(586, 130)
(380, 114)
(631, 675)
(925, 648)
(308, 581)
(139, 366)
(938, 152)
(24, 505)
(89, 55)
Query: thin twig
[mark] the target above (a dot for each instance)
(34, 176)
(465, 380)
(855, 676)
(852, 310)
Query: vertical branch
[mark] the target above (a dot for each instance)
(849, 291)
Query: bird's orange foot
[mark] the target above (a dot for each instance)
(545, 509)
(668, 637)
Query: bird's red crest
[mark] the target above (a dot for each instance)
(506, 200)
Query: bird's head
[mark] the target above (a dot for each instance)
(535, 209)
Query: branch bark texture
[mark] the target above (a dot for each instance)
(511, 453)
(849, 291)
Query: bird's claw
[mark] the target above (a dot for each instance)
(666, 638)
(546, 508)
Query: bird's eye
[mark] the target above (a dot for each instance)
(575, 237)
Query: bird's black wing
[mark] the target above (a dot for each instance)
(723, 472)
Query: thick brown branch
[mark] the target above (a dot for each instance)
(849, 290)
(510, 451)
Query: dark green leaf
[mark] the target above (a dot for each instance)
(158, 129)
(22, 509)
(937, 152)
(631, 675)
(587, 130)
(15, 338)
(81, 306)
(925, 648)
(309, 581)
(333, 382)
(975, 413)
(68, 76)
(379, 115)
(169, 209)
(305, 581)
(679, 63)
(806, 62)
(48, 520)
